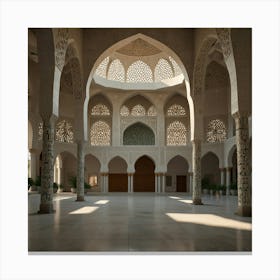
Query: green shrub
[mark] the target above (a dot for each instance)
(87, 186)
(73, 182)
(55, 185)
(233, 186)
(205, 183)
(38, 181)
(30, 182)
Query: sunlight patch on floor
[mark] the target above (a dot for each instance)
(85, 210)
(174, 197)
(209, 220)
(188, 201)
(101, 202)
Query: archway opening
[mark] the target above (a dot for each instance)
(92, 172)
(176, 178)
(144, 177)
(210, 169)
(68, 170)
(118, 180)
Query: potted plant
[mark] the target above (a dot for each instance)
(212, 189)
(55, 187)
(220, 189)
(86, 187)
(233, 189)
(73, 183)
(31, 185)
(205, 185)
(60, 188)
(38, 183)
(223, 189)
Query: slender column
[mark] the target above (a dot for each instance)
(163, 182)
(228, 179)
(131, 182)
(102, 182)
(80, 171)
(33, 163)
(191, 181)
(106, 182)
(243, 166)
(196, 161)
(46, 205)
(222, 170)
(156, 182)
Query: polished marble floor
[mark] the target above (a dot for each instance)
(140, 222)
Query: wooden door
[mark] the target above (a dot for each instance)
(118, 183)
(181, 183)
(144, 177)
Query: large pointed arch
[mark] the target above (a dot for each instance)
(154, 42)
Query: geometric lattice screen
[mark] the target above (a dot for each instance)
(138, 134)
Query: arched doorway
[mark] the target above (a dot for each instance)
(118, 181)
(177, 169)
(68, 170)
(92, 172)
(210, 169)
(144, 177)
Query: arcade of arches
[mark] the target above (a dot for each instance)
(154, 111)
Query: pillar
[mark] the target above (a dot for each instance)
(128, 183)
(243, 166)
(156, 182)
(163, 182)
(105, 182)
(33, 163)
(131, 182)
(191, 181)
(196, 162)
(46, 204)
(222, 170)
(80, 171)
(228, 179)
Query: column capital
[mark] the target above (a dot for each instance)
(190, 173)
(228, 169)
(222, 169)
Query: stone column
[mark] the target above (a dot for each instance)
(163, 182)
(80, 171)
(222, 170)
(46, 205)
(156, 182)
(128, 182)
(106, 182)
(228, 179)
(102, 183)
(243, 166)
(131, 182)
(33, 163)
(190, 181)
(196, 163)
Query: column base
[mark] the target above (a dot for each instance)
(46, 209)
(80, 198)
(244, 211)
(197, 201)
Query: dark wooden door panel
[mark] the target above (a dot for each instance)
(181, 185)
(118, 183)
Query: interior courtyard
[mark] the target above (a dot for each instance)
(139, 140)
